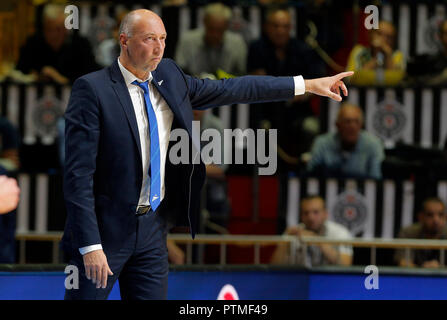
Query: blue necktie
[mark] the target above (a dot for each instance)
(154, 167)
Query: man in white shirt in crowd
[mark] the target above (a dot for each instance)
(314, 217)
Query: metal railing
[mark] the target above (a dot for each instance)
(258, 241)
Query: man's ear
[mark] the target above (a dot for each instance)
(123, 39)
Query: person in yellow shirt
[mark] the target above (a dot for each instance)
(379, 63)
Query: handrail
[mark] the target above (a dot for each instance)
(257, 241)
(267, 240)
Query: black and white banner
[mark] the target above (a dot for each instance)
(410, 115)
(34, 110)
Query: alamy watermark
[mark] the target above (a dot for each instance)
(72, 278)
(372, 281)
(260, 147)
(72, 18)
(372, 20)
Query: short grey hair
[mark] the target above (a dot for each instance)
(126, 25)
(217, 10)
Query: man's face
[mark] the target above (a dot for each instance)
(54, 32)
(313, 214)
(215, 28)
(385, 34)
(146, 45)
(433, 218)
(278, 28)
(349, 125)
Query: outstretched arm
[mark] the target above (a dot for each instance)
(206, 93)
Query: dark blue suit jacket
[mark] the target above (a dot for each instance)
(103, 166)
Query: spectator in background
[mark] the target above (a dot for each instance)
(9, 195)
(380, 62)
(9, 164)
(348, 153)
(277, 53)
(315, 222)
(214, 47)
(431, 225)
(56, 55)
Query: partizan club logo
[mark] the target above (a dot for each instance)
(45, 116)
(389, 120)
(350, 210)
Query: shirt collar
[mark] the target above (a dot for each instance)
(129, 77)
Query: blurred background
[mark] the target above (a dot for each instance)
(371, 167)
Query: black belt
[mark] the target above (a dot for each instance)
(141, 210)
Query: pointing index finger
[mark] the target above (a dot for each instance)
(344, 74)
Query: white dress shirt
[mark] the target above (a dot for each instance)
(164, 121)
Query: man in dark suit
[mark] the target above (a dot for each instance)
(121, 192)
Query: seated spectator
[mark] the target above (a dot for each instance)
(431, 225)
(315, 222)
(215, 47)
(56, 55)
(348, 153)
(277, 53)
(380, 62)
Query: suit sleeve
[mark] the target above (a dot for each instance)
(82, 131)
(206, 93)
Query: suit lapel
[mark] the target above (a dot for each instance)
(162, 88)
(122, 93)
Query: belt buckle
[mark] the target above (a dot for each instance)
(141, 210)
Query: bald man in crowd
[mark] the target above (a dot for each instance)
(213, 47)
(348, 153)
(123, 187)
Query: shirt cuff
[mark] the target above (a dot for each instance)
(91, 248)
(300, 87)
